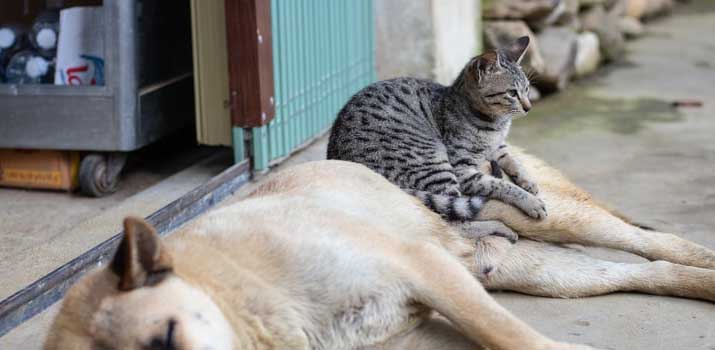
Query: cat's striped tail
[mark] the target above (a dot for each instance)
(452, 208)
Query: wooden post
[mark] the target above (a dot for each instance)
(250, 62)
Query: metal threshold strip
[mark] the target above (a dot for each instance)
(44, 292)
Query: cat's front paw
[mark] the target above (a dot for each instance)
(528, 185)
(533, 206)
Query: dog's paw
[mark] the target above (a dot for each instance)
(488, 254)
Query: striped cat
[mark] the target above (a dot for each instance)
(436, 142)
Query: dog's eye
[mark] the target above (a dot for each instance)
(156, 343)
(165, 342)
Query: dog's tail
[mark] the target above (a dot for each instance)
(452, 208)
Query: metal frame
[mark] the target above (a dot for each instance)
(94, 118)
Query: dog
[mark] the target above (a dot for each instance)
(329, 255)
(325, 255)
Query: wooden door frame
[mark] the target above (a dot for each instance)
(250, 62)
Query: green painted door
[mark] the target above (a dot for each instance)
(323, 52)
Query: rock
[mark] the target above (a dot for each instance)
(563, 15)
(558, 47)
(630, 27)
(643, 9)
(570, 12)
(500, 33)
(617, 8)
(588, 54)
(589, 3)
(636, 8)
(528, 10)
(605, 25)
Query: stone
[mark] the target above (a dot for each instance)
(605, 25)
(528, 10)
(563, 15)
(636, 8)
(570, 12)
(630, 27)
(589, 3)
(588, 54)
(558, 47)
(500, 33)
(643, 9)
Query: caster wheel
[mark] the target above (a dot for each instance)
(96, 179)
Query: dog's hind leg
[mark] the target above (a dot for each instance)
(544, 269)
(573, 219)
(435, 333)
(441, 282)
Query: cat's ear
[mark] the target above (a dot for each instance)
(488, 61)
(140, 260)
(515, 51)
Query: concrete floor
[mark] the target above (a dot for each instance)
(617, 136)
(41, 230)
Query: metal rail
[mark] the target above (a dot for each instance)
(44, 292)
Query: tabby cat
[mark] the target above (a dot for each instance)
(436, 141)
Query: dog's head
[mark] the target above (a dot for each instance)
(139, 302)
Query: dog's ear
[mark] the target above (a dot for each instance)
(140, 260)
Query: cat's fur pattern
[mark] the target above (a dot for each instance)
(433, 140)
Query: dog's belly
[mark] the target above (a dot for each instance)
(354, 297)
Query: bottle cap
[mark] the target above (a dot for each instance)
(36, 67)
(7, 38)
(46, 39)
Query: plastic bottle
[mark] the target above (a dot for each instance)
(12, 40)
(45, 32)
(29, 67)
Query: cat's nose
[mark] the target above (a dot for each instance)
(525, 104)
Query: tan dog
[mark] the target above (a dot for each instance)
(327, 255)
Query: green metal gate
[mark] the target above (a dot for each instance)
(323, 52)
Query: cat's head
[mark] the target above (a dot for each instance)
(495, 84)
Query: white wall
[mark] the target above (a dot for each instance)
(430, 39)
(455, 33)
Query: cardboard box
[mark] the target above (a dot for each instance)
(56, 170)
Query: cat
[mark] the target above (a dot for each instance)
(436, 142)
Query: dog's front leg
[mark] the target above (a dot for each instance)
(444, 284)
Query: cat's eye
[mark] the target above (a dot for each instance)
(512, 93)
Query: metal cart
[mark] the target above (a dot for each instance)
(148, 94)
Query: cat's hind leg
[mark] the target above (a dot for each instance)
(544, 269)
